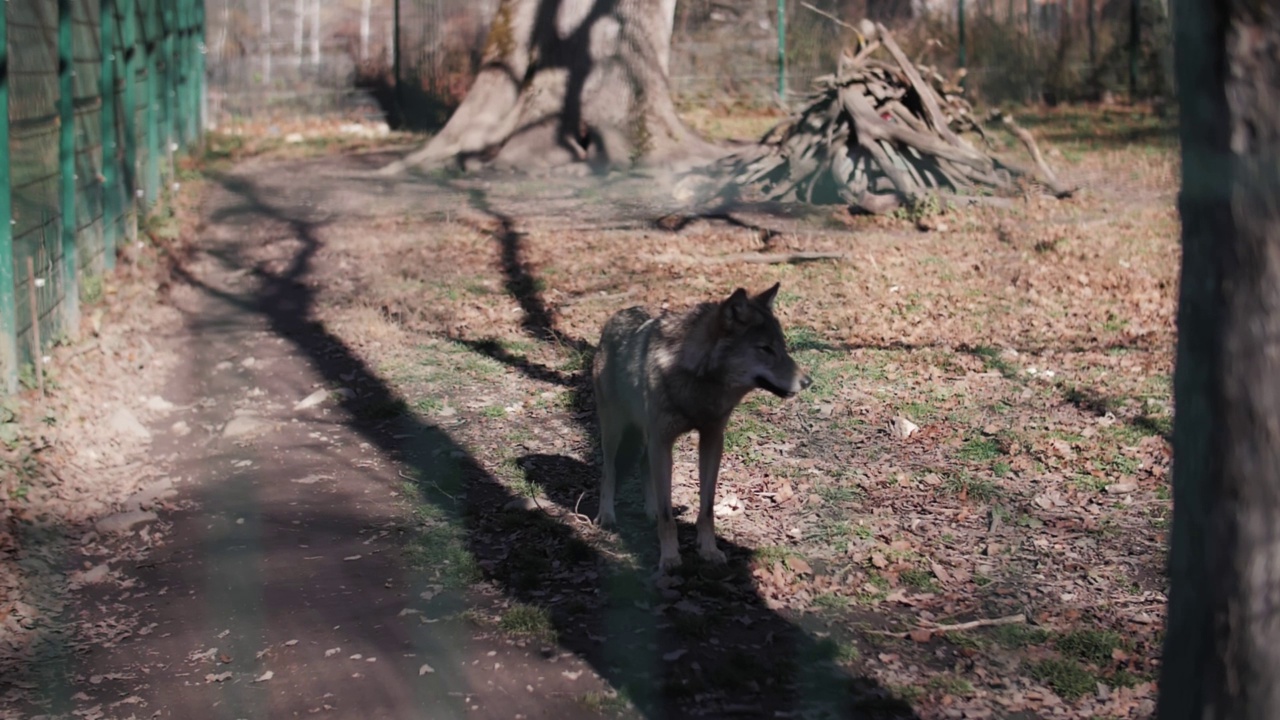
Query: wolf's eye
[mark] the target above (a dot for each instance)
(768, 350)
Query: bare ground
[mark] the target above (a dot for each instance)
(427, 513)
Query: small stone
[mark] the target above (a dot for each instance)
(147, 496)
(123, 522)
(244, 425)
(312, 400)
(124, 422)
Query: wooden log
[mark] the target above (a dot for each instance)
(1043, 173)
(927, 98)
(868, 121)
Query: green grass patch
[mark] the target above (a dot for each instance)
(1092, 646)
(770, 554)
(577, 360)
(831, 601)
(428, 405)
(980, 450)
(963, 640)
(828, 530)
(1067, 677)
(1019, 636)
(801, 339)
(838, 493)
(907, 693)
(605, 703)
(1126, 679)
(951, 685)
(992, 358)
(1089, 483)
(837, 651)
(918, 579)
(527, 621)
(441, 549)
(974, 488)
(745, 430)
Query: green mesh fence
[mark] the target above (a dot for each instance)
(96, 96)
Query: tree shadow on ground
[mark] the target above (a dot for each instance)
(1106, 129)
(708, 640)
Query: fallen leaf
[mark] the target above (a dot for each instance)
(939, 572)
(264, 677)
(425, 669)
(799, 565)
(903, 428)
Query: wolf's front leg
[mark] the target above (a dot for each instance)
(710, 448)
(660, 478)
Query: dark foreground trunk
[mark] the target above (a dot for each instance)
(1222, 652)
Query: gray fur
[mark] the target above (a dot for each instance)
(657, 378)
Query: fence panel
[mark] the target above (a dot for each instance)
(81, 136)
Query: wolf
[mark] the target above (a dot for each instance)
(659, 377)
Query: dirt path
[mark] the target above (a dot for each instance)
(281, 589)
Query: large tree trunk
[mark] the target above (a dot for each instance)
(569, 81)
(1222, 650)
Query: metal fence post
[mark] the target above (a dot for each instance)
(129, 129)
(1135, 45)
(8, 299)
(189, 85)
(180, 73)
(395, 57)
(202, 92)
(1092, 23)
(152, 112)
(782, 51)
(67, 170)
(169, 88)
(110, 148)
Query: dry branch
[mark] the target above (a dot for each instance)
(932, 629)
(752, 257)
(883, 133)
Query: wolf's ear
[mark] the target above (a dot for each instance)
(766, 298)
(737, 308)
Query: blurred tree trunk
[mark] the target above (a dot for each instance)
(569, 81)
(1222, 651)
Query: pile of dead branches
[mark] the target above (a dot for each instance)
(883, 133)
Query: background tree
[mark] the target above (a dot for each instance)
(569, 81)
(1222, 650)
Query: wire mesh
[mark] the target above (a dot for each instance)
(71, 193)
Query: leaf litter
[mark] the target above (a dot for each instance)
(1020, 363)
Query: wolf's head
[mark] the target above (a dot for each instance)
(753, 350)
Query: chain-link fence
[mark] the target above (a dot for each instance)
(300, 58)
(289, 59)
(95, 97)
